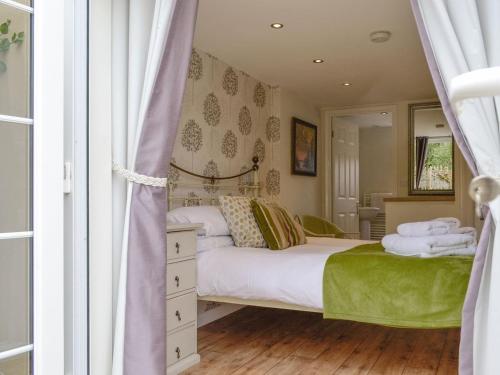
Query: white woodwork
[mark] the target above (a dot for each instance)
(181, 302)
(180, 310)
(345, 162)
(181, 244)
(181, 276)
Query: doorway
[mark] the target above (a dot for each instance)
(360, 162)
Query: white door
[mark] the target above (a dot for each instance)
(345, 174)
(31, 194)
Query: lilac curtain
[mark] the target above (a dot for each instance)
(145, 330)
(467, 330)
(420, 153)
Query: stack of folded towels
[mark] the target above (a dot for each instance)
(438, 237)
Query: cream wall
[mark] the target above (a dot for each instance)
(300, 194)
(399, 212)
(462, 207)
(376, 162)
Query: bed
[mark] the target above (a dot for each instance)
(290, 278)
(340, 278)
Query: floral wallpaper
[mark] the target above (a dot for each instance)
(227, 118)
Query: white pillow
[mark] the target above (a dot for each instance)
(204, 243)
(211, 217)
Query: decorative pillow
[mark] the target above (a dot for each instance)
(211, 217)
(277, 226)
(241, 221)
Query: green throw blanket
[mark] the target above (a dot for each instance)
(366, 284)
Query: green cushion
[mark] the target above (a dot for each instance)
(278, 228)
(319, 225)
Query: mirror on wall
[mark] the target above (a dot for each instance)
(431, 157)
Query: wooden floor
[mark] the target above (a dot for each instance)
(269, 341)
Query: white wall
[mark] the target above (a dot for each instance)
(462, 206)
(376, 162)
(300, 194)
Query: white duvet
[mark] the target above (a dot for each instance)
(294, 275)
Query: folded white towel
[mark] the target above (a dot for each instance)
(471, 231)
(471, 250)
(402, 245)
(452, 221)
(424, 228)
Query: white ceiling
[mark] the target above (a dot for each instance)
(238, 32)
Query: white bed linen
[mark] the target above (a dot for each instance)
(293, 276)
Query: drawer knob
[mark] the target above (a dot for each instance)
(177, 247)
(178, 351)
(177, 280)
(178, 315)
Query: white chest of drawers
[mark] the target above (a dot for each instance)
(181, 298)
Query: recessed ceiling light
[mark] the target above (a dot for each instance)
(383, 113)
(380, 36)
(277, 25)
(318, 61)
(346, 84)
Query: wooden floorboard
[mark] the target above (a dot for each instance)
(260, 341)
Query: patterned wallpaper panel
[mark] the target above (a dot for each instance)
(227, 118)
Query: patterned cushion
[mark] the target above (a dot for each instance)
(241, 221)
(277, 226)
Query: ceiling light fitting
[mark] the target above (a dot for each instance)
(318, 61)
(346, 84)
(277, 25)
(383, 113)
(380, 36)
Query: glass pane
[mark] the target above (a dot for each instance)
(15, 51)
(15, 293)
(18, 365)
(15, 182)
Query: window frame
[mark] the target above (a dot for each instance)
(48, 210)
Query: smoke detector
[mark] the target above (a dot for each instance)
(380, 36)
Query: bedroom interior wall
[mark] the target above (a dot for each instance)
(462, 206)
(228, 117)
(398, 212)
(294, 186)
(375, 151)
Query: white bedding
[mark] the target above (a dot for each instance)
(294, 275)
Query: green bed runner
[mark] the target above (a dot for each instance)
(366, 284)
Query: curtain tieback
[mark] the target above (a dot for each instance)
(139, 178)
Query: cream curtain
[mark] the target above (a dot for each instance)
(458, 37)
(151, 47)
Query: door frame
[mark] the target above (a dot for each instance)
(327, 116)
(48, 209)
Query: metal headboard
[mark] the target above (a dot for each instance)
(207, 190)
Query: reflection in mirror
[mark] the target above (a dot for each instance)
(431, 151)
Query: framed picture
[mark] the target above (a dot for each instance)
(304, 148)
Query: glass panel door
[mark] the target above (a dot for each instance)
(16, 124)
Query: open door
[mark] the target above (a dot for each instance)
(345, 174)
